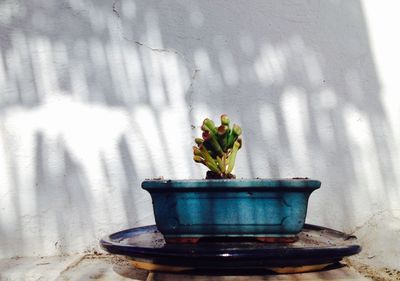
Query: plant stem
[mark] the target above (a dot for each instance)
(224, 162)
(209, 124)
(198, 159)
(213, 167)
(223, 136)
(205, 154)
(196, 151)
(198, 141)
(232, 156)
(208, 136)
(225, 120)
(233, 135)
(221, 163)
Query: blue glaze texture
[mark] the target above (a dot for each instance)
(259, 207)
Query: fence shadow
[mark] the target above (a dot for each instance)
(97, 96)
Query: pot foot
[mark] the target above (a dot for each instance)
(182, 240)
(278, 239)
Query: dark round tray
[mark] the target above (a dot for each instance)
(316, 246)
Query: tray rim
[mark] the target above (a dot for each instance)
(108, 244)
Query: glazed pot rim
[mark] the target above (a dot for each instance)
(302, 183)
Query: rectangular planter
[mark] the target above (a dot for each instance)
(239, 208)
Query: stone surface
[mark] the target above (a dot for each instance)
(35, 269)
(105, 267)
(87, 267)
(334, 274)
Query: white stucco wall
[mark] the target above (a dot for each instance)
(96, 96)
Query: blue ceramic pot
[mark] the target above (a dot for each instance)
(249, 208)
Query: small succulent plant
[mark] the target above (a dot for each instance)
(217, 148)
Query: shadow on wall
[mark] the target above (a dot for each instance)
(95, 96)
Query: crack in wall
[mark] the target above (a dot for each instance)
(115, 10)
(189, 91)
(160, 50)
(191, 66)
(188, 63)
(157, 49)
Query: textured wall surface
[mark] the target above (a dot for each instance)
(96, 96)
